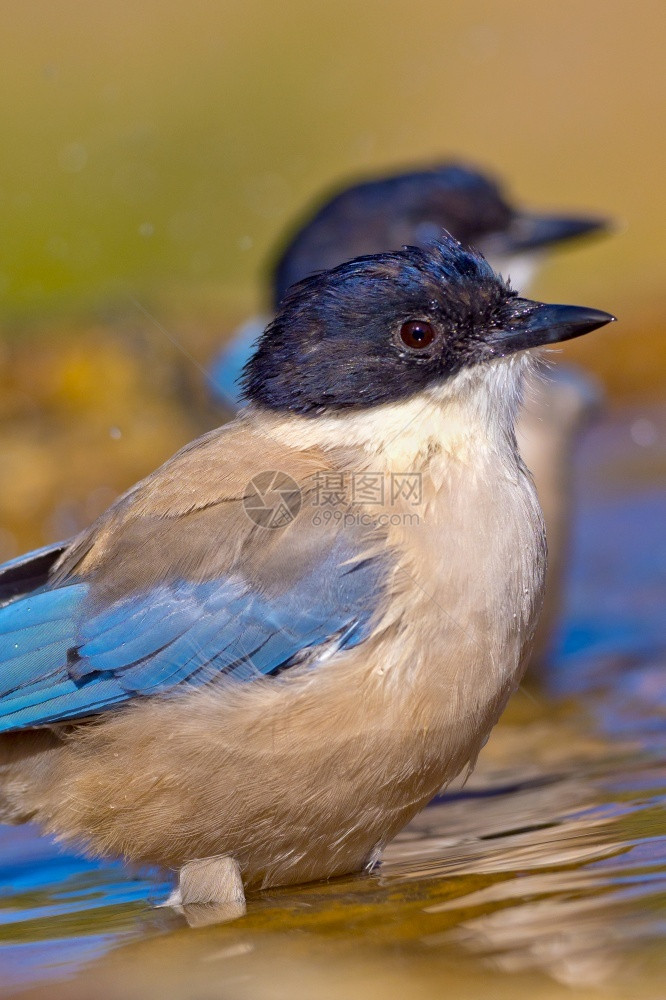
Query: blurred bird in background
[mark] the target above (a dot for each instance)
(411, 209)
(218, 678)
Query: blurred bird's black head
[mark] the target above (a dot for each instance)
(382, 328)
(414, 207)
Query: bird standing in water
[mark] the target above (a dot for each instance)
(261, 661)
(413, 207)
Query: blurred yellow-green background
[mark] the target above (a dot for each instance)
(154, 151)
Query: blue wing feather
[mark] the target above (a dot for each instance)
(62, 657)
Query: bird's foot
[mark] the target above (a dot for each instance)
(374, 859)
(210, 891)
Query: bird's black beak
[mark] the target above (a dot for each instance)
(531, 232)
(536, 324)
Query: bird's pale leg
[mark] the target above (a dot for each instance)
(210, 891)
(374, 858)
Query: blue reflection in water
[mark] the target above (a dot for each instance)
(32, 961)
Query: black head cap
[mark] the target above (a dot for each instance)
(383, 328)
(381, 214)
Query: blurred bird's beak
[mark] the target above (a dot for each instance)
(532, 232)
(538, 324)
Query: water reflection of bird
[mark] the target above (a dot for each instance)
(278, 682)
(552, 903)
(385, 213)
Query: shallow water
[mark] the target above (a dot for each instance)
(545, 874)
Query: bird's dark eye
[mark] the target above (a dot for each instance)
(417, 333)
